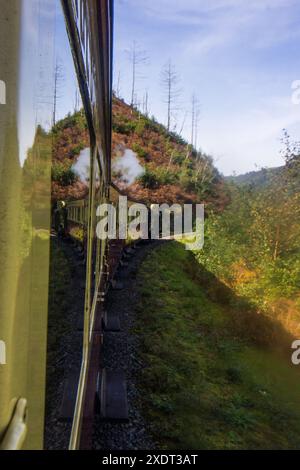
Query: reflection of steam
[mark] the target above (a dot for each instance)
(127, 167)
(82, 166)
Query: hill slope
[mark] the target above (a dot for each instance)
(173, 170)
(149, 163)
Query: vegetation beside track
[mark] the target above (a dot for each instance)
(60, 280)
(211, 380)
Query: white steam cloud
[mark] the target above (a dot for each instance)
(82, 166)
(127, 167)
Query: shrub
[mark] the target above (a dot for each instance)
(177, 138)
(154, 178)
(178, 159)
(78, 119)
(186, 181)
(166, 176)
(77, 149)
(140, 151)
(140, 127)
(124, 127)
(149, 179)
(65, 176)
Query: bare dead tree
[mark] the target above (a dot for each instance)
(195, 117)
(145, 103)
(196, 127)
(183, 123)
(58, 81)
(170, 81)
(137, 58)
(76, 100)
(139, 106)
(117, 88)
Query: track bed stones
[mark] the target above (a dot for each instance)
(121, 352)
(130, 250)
(117, 285)
(123, 264)
(69, 397)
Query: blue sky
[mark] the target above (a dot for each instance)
(240, 58)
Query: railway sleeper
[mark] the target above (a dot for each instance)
(111, 396)
(111, 323)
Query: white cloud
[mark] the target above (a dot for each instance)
(263, 24)
(251, 137)
(221, 22)
(200, 11)
(230, 52)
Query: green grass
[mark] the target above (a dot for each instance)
(206, 384)
(60, 296)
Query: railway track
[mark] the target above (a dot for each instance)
(120, 354)
(124, 427)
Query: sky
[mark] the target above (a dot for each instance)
(44, 43)
(239, 57)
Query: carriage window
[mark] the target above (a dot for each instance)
(70, 190)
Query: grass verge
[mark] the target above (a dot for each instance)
(209, 384)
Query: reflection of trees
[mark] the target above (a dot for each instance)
(58, 81)
(36, 187)
(70, 136)
(24, 249)
(37, 169)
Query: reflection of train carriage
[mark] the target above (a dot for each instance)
(26, 64)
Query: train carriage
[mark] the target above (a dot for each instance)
(27, 69)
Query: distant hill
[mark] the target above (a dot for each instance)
(256, 178)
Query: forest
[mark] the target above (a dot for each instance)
(253, 246)
(232, 310)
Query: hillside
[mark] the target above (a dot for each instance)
(149, 163)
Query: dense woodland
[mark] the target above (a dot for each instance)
(232, 310)
(254, 245)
